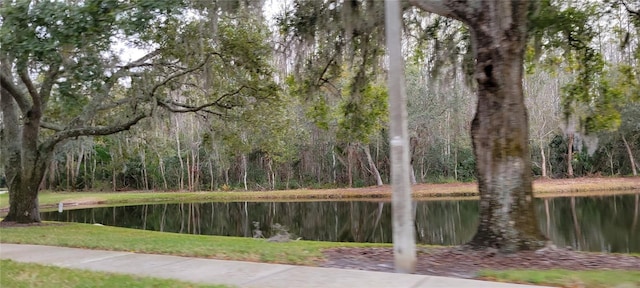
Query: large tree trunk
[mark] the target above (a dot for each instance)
(25, 161)
(500, 128)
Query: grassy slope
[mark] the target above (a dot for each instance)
(22, 275)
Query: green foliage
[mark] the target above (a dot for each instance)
(599, 90)
(363, 114)
(76, 34)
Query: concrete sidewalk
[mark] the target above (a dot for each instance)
(237, 273)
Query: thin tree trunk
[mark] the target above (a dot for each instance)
(86, 185)
(413, 176)
(94, 166)
(570, 156)
(78, 166)
(196, 172)
(211, 182)
(181, 181)
(372, 165)
(244, 171)
(349, 165)
(334, 168)
(610, 154)
(113, 179)
(272, 175)
(162, 172)
(68, 170)
(145, 178)
(630, 153)
(189, 174)
(52, 173)
(550, 164)
(544, 161)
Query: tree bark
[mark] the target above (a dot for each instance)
(543, 160)
(570, 156)
(26, 161)
(350, 165)
(212, 186)
(145, 175)
(630, 153)
(372, 165)
(499, 130)
(162, 172)
(181, 181)
(244, 171)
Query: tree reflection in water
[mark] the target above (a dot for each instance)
(601, 223)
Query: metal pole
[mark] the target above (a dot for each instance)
(404, 245)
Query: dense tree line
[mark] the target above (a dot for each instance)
(324, 138)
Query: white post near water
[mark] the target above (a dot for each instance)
(404, 243)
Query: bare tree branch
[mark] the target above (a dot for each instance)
(177, 75)
(24, 76)
(90, 109)
(455, 9)
(177, 107)
(77, 129)
(49, 80)
(183, 108)
(51, 126)
(120, 102)
(96, 130)
(635, 13)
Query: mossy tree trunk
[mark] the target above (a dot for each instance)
(499, 130)
(24, 159)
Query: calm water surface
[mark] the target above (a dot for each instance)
(607, 223)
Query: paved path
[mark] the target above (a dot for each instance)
(241, 274)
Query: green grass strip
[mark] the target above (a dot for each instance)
(567, 278)
(203, 246)
(27, 275)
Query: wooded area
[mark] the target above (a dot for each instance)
(225, 98)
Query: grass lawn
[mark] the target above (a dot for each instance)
(565, 278)
(133, 240)
(23, 275)
(247, 249)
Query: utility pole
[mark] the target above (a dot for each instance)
(404, 243)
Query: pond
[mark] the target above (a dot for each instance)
(605, 223)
